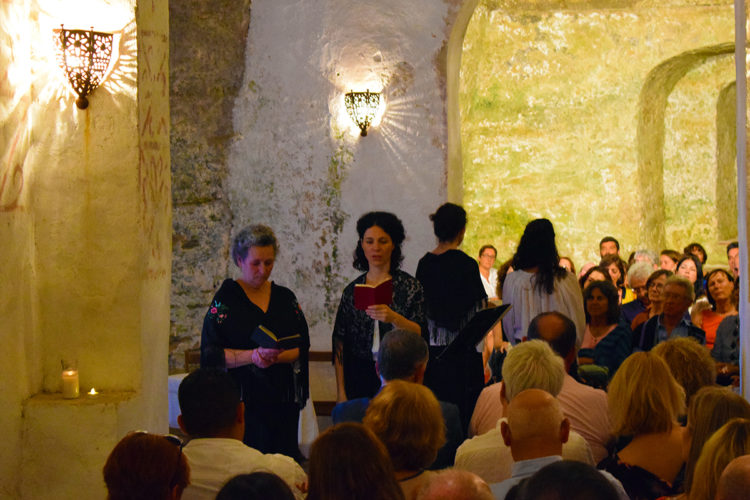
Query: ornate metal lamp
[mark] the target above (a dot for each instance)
(84, 56)
(362, 107)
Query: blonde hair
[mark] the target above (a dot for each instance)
(643, 396)
(532, 365)
(690, 363)
(710, 408)
(729, 442)
(408, 420)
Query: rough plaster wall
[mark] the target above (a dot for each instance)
(295, 163)
(549, 109)
(207, 47)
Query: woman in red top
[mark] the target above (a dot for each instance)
(720, 285)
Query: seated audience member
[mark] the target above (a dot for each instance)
(647, 256)
(609, 246)
(348, 461)
(733, 258)
(487, 256)
(732, 440)
(569, 480)
(734, 483)
(719, 289)
(697, 250)
(644, 402)
(690, 268)
(594, 273)
(406, 417)
(255, 486)
(710, 408)
(690, 364)
(726, 350)
(655, 289)
(403, 356)
(674, 320)
(502, 272)
(616, 269)
(607, 340)
(638, 275)
(146, 466)
(535, 431)
(529, 365)
(213, 416)
(567, 263)
(454, 484)
(668, 259)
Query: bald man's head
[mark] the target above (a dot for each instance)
(536, 426)
(734, 483)
(455, 484)
(557, 330)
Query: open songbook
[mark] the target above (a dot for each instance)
(368, 295)
(264, 337)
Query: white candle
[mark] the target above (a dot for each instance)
(70, 383)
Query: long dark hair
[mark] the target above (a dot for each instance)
(698, 285)
(389, 223)
(537, 249)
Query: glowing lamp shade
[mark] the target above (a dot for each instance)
(84, 56)
(362, 107)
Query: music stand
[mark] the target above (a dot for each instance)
(474, 331)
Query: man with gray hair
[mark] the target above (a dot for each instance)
(403, 356)
(637, 276)
(674, 321)
(529, 365)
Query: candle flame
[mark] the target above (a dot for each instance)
(93, 392)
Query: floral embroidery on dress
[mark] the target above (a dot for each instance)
(218, 311)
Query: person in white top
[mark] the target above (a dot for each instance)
(487, 256)
(539, 284)
(214, 418)
(530, 365)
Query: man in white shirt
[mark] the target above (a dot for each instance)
(529, 365)
(214, 418)
(535, 432)
(487, 256)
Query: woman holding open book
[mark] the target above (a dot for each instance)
(256, 330)
(364, 316)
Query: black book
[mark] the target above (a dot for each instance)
(264, 337)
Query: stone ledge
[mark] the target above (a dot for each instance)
(102, 398)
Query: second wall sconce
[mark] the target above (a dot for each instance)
(362, 107)
(84, 56)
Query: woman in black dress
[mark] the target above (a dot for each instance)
(357, 333)
(453, 293)
(274, 382)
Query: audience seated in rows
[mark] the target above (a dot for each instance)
(255, 486)
(732, 440)
(674, 320)
(535, 431)
(403, 356)
(644, 402)
(406, 417)
(734, 483)
(455, 484)
(529, 365)
(213, 416)
(348, 461)
(146, 466)
(710, 408)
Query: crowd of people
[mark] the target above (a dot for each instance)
(614, 381)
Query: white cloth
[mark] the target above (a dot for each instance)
(213, 461)
(488, 457)
(490, 283)
(528, 301)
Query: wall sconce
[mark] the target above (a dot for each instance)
(84, 56)
(362, 107)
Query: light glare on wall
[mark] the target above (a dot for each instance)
(84, 57)
(363, 108)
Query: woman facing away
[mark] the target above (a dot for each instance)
(539, 284)
(356, 333)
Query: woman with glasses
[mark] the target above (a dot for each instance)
(654, 289)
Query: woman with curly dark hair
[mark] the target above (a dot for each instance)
(539, 284)
(357, 332)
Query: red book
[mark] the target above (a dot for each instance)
(368, 295)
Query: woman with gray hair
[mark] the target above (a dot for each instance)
(273, 377)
